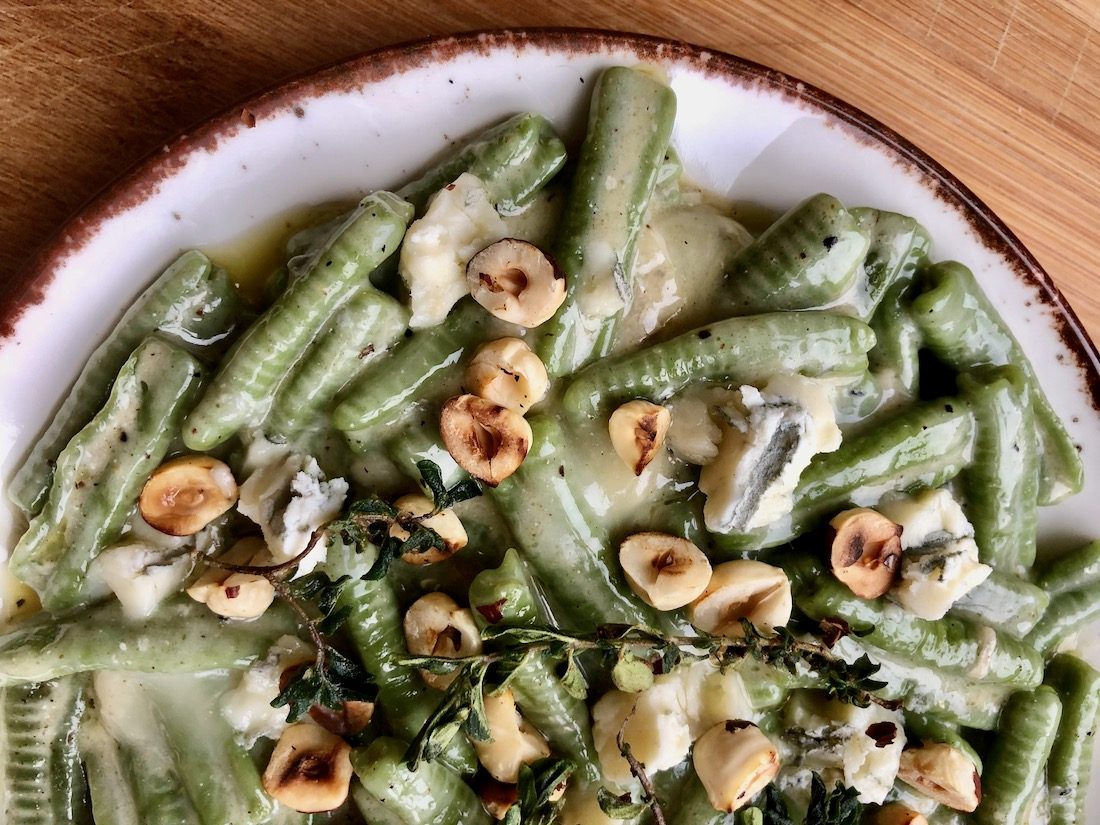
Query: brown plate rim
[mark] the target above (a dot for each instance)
(28, 287)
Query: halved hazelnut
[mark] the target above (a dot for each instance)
(734, 761)
(638, 430)
(436, 626)
(309, 770)
(667, 572)
(445, 523)
(185, 494)
(866, 551)
(485, 439)
(512, 741)
(507, 372)
(236, 595)
(515, 281)
(897, 814)
(942, 773)
(743, 589)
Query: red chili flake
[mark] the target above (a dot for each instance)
(492, 612)
(233, 591)
(833, 630)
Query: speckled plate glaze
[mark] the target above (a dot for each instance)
(743, 130)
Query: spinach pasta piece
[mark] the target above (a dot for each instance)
(389, 793)
(217, 772)
(514, 160)
(193, 303)
(1005, 602)
(894, 360)
(568, 550)
(396, 386)
(808, 258)
(1014, 765)
(925, 445)
(374, 624)
(41, 779)
(356, 336)
(948, 645)
(898, 246)
(1001, 484)
(504, 596)
(145, 762)
(747, 350)
(242, 391)
(963, 329)
(629, 126)
(1073, 571)
(1078, 686)
(101, 472)
(109, 785)
(1069, 612)
(183, 636)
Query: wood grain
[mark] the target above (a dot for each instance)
(1005, 94)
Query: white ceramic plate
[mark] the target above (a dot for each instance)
(743, 131)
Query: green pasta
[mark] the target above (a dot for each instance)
(102, 470)
(629, 126)
(240, 393)
(964, 330)
(193, 303)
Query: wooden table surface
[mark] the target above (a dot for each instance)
(1004, 94)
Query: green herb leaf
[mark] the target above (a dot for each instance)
(421, 540)
(839, 806)
(443, 497)
(774, 807)
(477, 723)
(388, 551)
(572, 679)
(339, 680)
(619, 807)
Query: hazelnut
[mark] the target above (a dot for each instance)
(236, 595)
(436, 626)
(485, 439)
(507, 373)
(665, 571)
(638, 430)
(515, 281)
(739, 590)
(445, 523)
(897, 814)
(512, 740)
(734, 761)
(309, 770)
(185, 494)
(943, 774)
(866, 551)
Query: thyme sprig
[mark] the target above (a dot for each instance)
(371, 521)
(333, 679)
(540, 792)
(840, 806)
(624, 807)
(636, 652)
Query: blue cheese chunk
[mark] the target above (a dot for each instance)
(460, 221)
(768, 437)
(859, 746)
(289, 497)
(940, 562)
(247, 706)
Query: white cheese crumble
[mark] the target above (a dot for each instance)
(769, 437)
(863, 745)
(141, 575)
(289, 497)
(460, 221)
(247, 707)
(662, 721)
(939, 556)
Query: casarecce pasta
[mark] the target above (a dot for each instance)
(541, 490)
